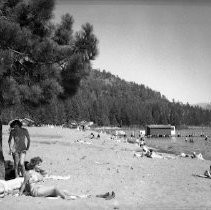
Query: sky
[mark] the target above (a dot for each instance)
(163, 44)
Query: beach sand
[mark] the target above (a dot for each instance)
(103, 165)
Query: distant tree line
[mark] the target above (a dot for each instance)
(106, 99)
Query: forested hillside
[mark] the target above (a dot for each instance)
(108, 100)
(204, 105)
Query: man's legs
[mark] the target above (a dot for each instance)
(16, 161)
(22, 159)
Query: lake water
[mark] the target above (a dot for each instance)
(177, 145)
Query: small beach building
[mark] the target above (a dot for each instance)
(27, 122)
(160, 130)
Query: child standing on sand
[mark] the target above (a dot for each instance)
(19, 148)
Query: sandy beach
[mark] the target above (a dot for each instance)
(97, 166)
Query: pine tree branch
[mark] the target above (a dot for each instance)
(60, 61)
(17, 52)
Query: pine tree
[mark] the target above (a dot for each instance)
(40, 61)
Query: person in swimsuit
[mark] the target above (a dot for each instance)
(19, 148)
(34, 173)
(37, 175)
(29, 187)
(31, 177)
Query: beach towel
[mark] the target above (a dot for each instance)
(55, 177)
(71, 197)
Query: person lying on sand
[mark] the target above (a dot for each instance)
(9, 186)
(35, 174)
(193, 155)
(153, 154)
(150, 153)
(29, 187)
(143, 151)
(199, 156)
(207, 173)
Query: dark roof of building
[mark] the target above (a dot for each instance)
(159, 126)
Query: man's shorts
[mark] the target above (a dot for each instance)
(17, 155)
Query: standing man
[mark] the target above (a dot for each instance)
(19, 148)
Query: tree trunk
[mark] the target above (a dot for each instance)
(2, 168)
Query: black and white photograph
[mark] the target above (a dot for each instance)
(105, 104)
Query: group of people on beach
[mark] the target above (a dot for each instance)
(27, 174)
(143, 149)
(193, 155)
(146, 151)
(190, 138)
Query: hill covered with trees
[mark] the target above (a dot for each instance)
(106, 99)
(204, 105)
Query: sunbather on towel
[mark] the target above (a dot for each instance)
(32, 189)
(30, 186)
(207, 173)
(143, 151)
(36, 175)
(9, 186)
(193, 155)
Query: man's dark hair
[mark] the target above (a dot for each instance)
(16, 122)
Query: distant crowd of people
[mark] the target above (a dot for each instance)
(190, 138)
